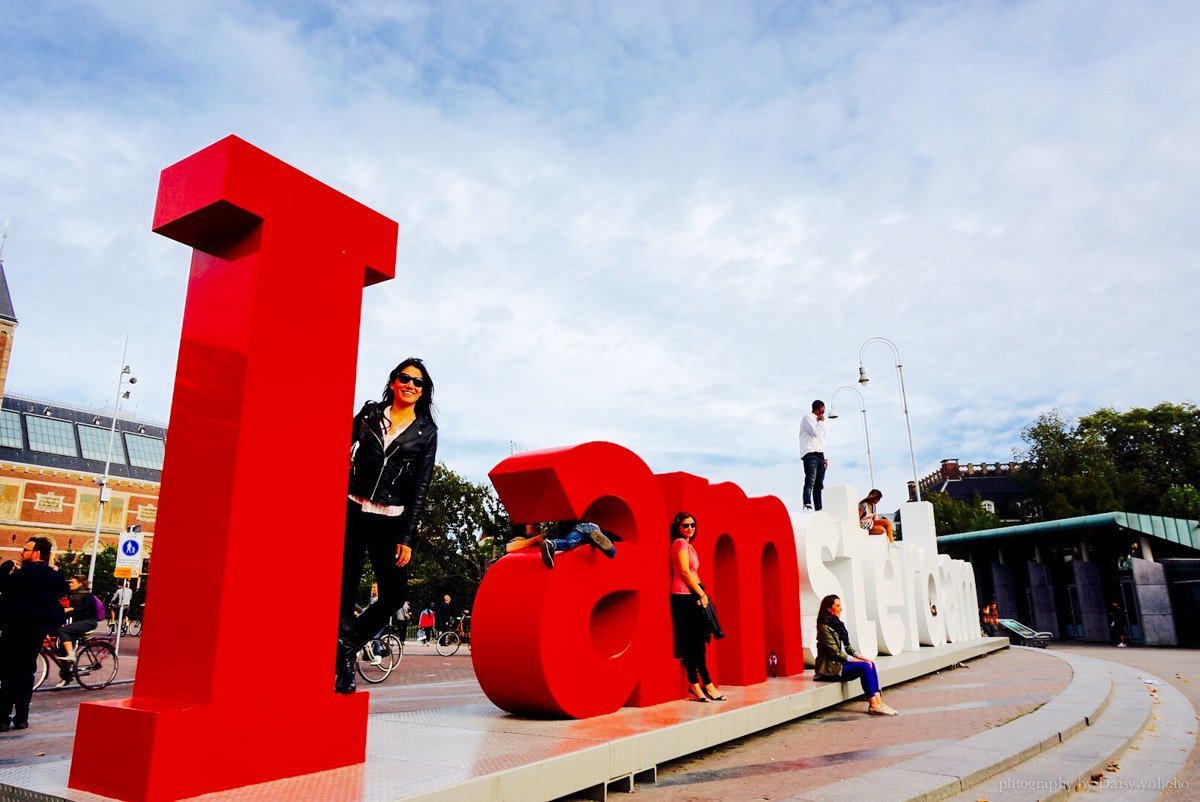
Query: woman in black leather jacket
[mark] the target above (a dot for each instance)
(392, 453)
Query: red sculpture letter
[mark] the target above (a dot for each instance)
(255, 472)
(591, 634)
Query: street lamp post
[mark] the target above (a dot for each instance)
(866, 434)
(112, 436)
(862, 379)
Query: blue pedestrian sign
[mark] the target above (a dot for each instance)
(129, 555)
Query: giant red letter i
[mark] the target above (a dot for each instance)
(271, 319)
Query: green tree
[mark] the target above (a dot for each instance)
(952, 517)
(1113, 460)
(1181, 501)
(457, 529)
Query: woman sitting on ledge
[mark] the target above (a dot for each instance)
(873, 522)
(838, 662)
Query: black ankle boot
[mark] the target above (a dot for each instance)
(346, 654)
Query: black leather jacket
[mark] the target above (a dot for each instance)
(399, 476)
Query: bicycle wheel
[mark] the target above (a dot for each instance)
(41, 671)
(395, 647)
(134, 626)
(447, 644)
(96, 665)
(377, 659)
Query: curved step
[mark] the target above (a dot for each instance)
(1093, 694)
(1056, 773)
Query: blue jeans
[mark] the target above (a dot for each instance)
(814, 478)
(866, 673)
(576, 537)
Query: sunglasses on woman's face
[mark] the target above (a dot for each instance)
(687, 526)
(404, 378)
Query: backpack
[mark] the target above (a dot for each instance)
(101, 613)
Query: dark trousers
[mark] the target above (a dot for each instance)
(864, 673)
(691, 637)
(19, 648)
(373, 536)
(814, 478)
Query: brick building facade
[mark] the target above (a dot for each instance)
(52, 459)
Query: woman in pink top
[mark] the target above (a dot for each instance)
(688, 601)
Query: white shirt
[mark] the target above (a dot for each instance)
(812, 435)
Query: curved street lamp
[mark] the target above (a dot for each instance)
(866, 434)
(862, 379)
(112, 435)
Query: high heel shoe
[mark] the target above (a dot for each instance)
(718, 698)
(695, 696)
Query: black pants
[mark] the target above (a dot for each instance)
(374, 536)
(19, 648)
(691, 637)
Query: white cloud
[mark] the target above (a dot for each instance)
(666, 226)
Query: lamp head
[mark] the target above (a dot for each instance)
(862, 376)
(133, 379)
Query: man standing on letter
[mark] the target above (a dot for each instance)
(812, 453)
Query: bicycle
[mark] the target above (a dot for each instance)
(95, 665)
(378, 657)
(129, 626)
(449, 641)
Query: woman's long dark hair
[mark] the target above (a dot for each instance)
(680, 517)
(424, 406)
(867, 498)
(826, 603)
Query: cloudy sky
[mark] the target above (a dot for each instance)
(668, 225)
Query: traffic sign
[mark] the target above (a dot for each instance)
(129, 554)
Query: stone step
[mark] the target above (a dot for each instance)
(1149, 765)
(1058, 771)
(984, 760)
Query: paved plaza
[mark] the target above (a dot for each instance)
(818, 756)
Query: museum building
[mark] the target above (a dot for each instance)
(52, 459)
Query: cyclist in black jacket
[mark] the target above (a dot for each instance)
(81, 607)
(392, 453)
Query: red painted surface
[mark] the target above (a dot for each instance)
(256, 470)
(592, 634)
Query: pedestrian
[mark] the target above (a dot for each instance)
(991, 619)
(402, 618)
(838, 662)
(1116, 624)
(870, 520)
(29, 610)
(690, 623)
(443, 614)
(812, 454)
(81, 608)
(424, 625)
(392, 455)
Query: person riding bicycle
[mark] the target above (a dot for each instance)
(81, 607)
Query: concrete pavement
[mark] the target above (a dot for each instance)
(1003, 696)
